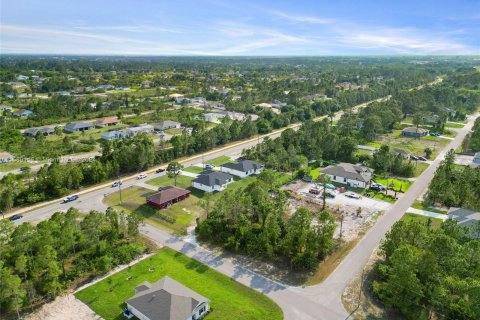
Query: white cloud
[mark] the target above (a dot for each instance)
(301, 19)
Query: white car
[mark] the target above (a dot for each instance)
(141, 176)
(353, 195)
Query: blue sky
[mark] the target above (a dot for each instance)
(177, 27)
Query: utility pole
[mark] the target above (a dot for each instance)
(341, 224)
(120, 188)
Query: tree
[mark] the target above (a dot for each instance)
(173, 170)
(428, 152)
(324, 180)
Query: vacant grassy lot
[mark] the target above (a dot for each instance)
(435, 223)
(420, 167)
(422, 206)
(397, 184)
(229, 299)
(219, 161)
(194, 169)
(133, 199)
(13, 165)
(182, 181)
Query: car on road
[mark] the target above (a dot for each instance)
(160, 170)
(116, 184)
(142, 175)
(421, 158)
(414, 158)
(70, 198)
(209, 166)
(15, 217)
(353, 195)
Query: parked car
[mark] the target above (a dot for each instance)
(70, 198)
(314, 191)
(116, 184)
(307, 178)
(160, 170)
(434, 134)
(378, 187)
(353, 195)
(142, 175)
(422, 158)
(209, 166)
(15, 217)
(22, 169)
(414, 158)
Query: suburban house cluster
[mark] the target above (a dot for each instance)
(166, 299)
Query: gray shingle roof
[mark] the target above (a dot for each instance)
(162, 125)
(166, 299)
(213, 178)
(243, 165)
(349, 171)
(78, 125)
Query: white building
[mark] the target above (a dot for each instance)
(349, 174)
(212, 181)
(242, 168)
(147, 128)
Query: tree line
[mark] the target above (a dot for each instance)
(254, 222)
(38, 262)
(430, 273)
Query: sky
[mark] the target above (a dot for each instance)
(240, 28)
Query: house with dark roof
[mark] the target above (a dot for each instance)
(242, 168)
(167, 196)
(78, 126)
(414, 132)
(210, 181)
(466, 218)
(165, 125)
(167, 299)
(32, 132)
(349, 174)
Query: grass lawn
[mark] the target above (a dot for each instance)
(194, 169)
(421, 219)
(229, 299)
(421, 166)
(13, 165)
(404, 184)
(422, 206)
(174, 131)
(314, 173)
(182, 181)
(133, 199)
(219, 161)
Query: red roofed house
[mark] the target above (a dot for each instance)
(107, 121)
(167, 196)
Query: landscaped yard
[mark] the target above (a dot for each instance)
(133, 199)
(229, 299)
(397, 184)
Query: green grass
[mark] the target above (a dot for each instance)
(219, 161)
(133, 199)
(174, 131)
(229, 299)
(435, 223)
(421, 166)
(378, 196)
(13, 165)
(182, 181)
(194, 169)
(314, 173)
(422, 206)
(405, 184)
(454, 125)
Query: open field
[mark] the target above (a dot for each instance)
(133, 199)
(14, 165)
(229, 299)
(182, 181)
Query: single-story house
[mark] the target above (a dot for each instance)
(405, 154)
(349, 174)
(212, 181)
(167, 299)
(167, 196)
(32, 132)
(114, 135)
(131, 131)
(107, 121)
(78, 126)
(5, 108)
(6, 157)
(165, 125)
(22, 113)
(17, 85)
(213, 116)
(242, 168)
(465, 218)
(414, 132)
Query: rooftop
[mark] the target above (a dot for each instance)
(243, 165)
(349, 171)
(167, 194)
(213, 178)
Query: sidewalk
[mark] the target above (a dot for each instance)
(428, 213)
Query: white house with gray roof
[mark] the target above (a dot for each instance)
(212, 181)
(242, 168)
(167, 299)
(349, 174)
(165, 125)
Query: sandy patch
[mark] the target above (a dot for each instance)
(65, 307)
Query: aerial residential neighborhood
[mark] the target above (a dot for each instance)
(239, 160)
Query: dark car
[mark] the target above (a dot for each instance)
(70, 199)
(414, 158)
(307, 178)
(15, 217)
(422, 158)
(160, 170)
(22, 169)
